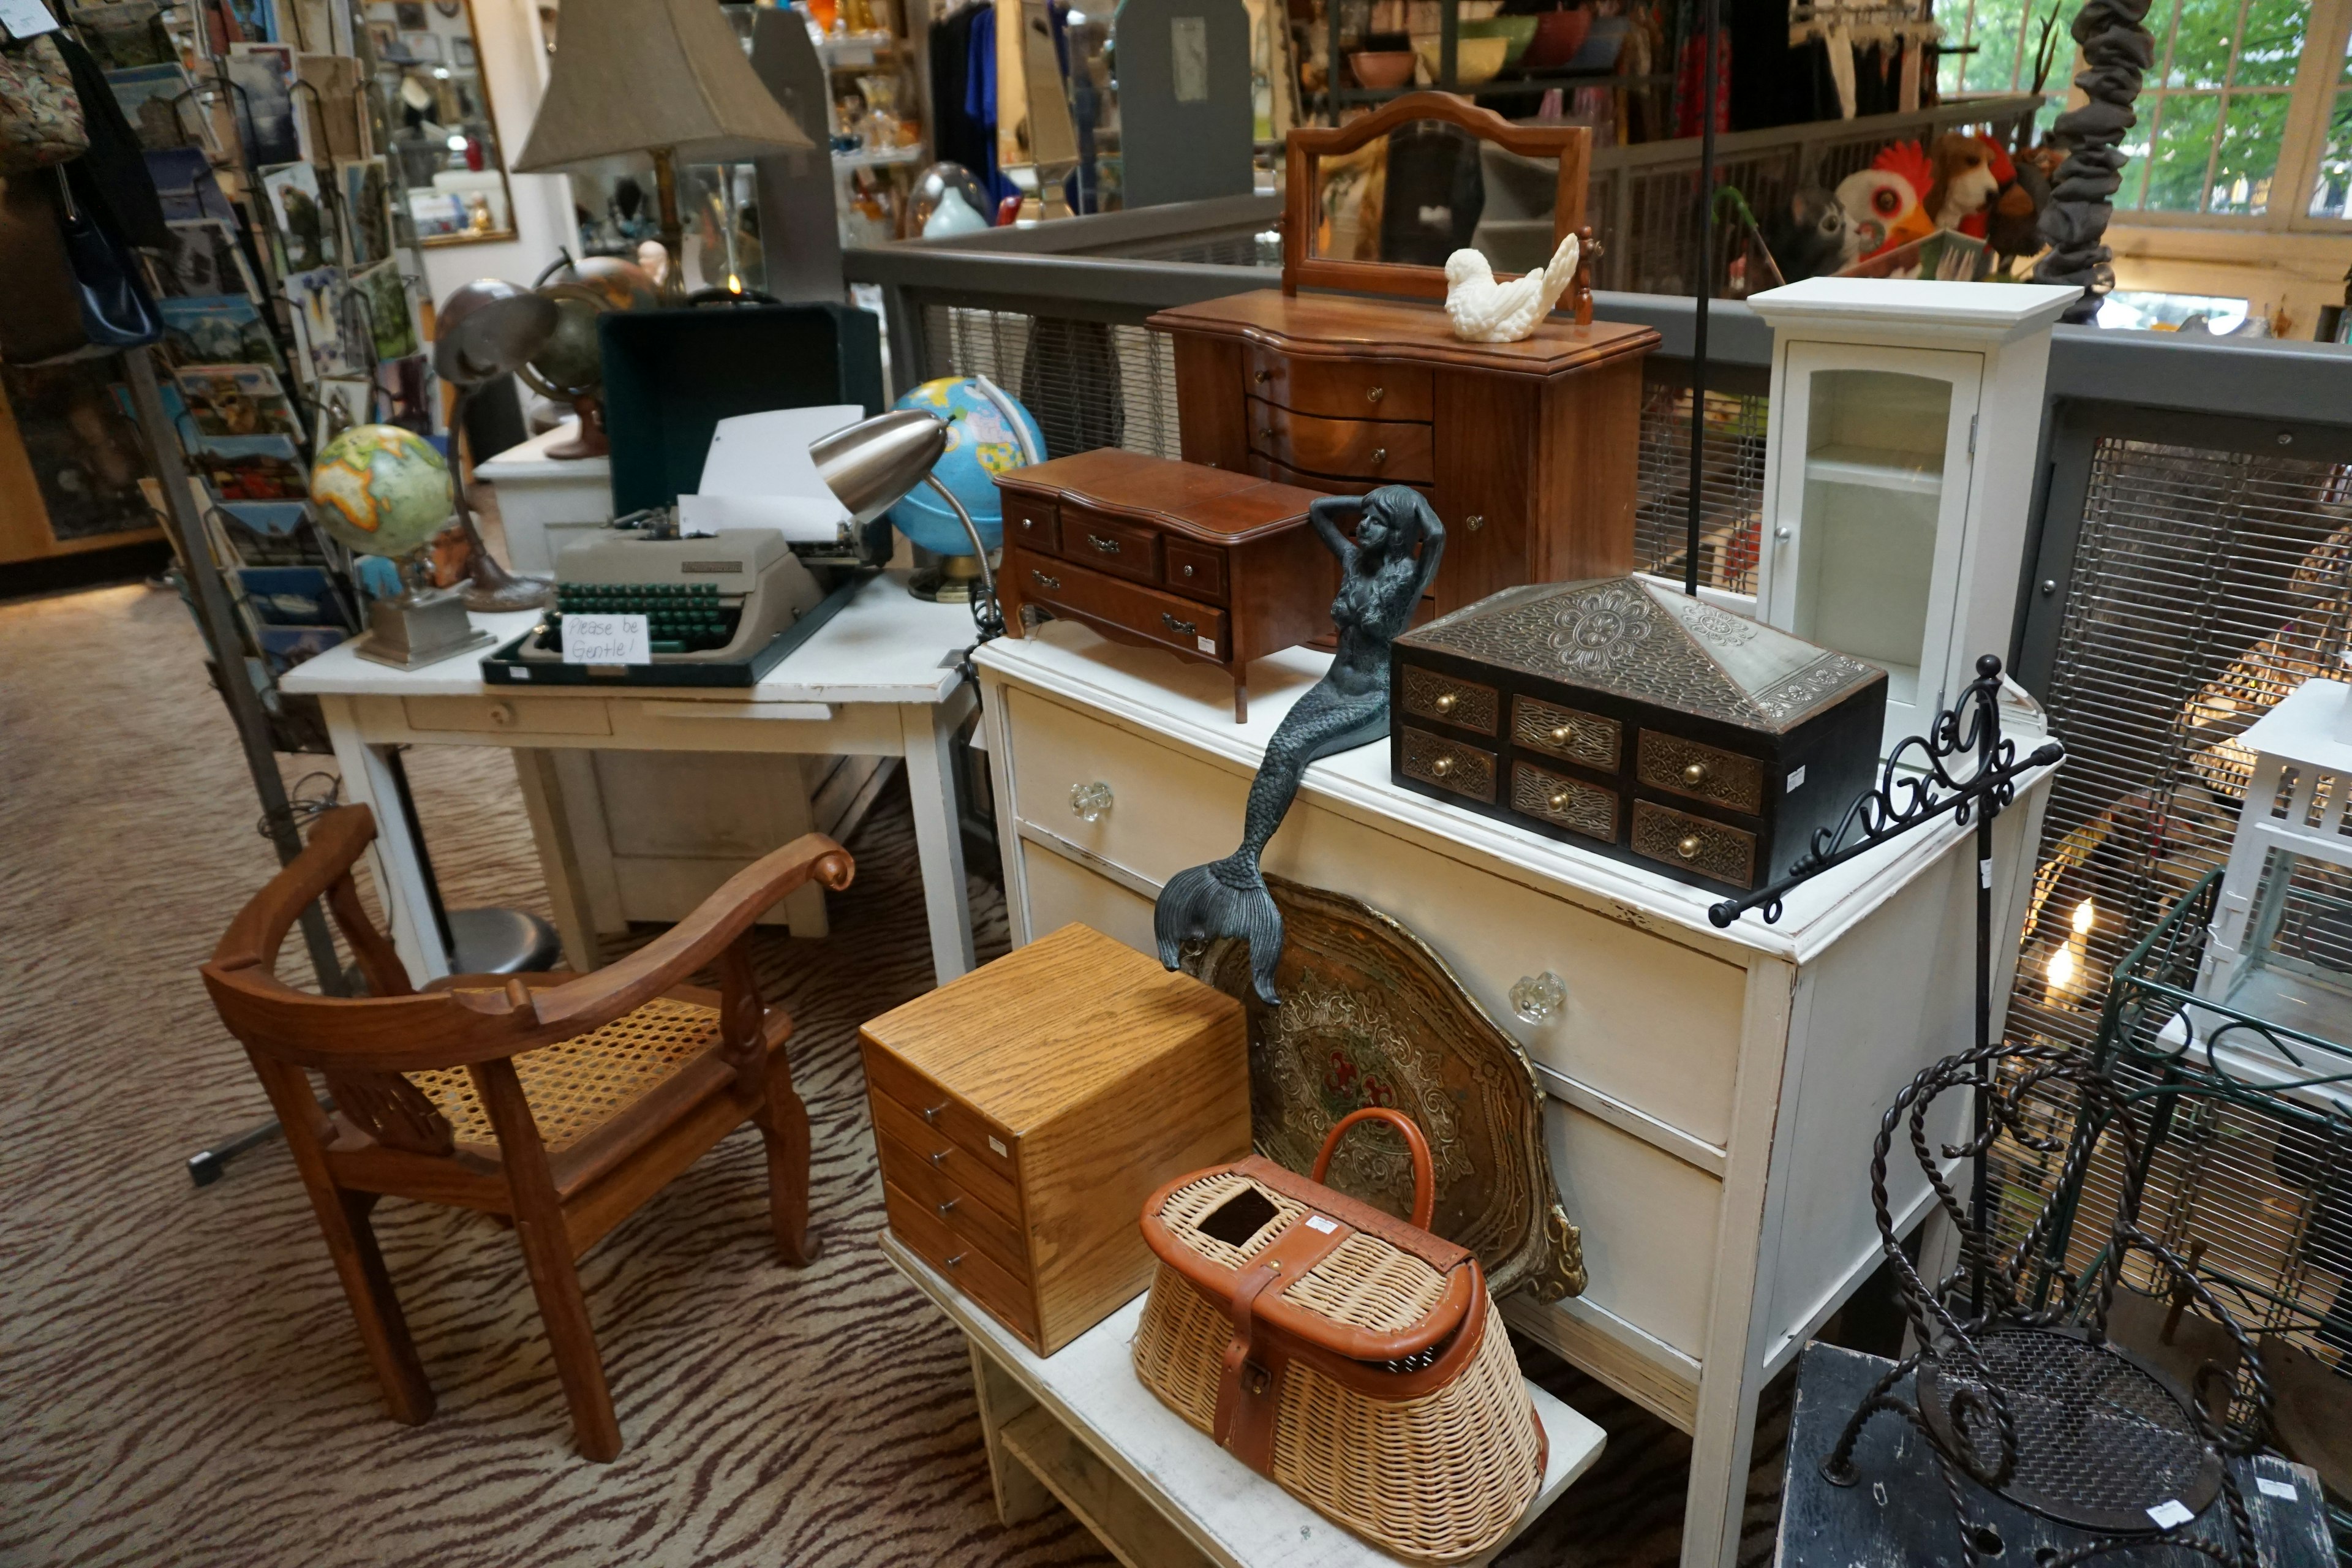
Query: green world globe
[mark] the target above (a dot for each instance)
(381, 489)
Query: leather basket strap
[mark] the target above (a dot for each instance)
(1249, 1383)
(1404, 1235)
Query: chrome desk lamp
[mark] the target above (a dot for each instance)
(484, 330)
(872, 465)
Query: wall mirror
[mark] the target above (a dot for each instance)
(1378, 204)
(436, 98)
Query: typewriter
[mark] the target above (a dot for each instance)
(721, 610)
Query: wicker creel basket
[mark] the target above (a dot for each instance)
(1350, 1357)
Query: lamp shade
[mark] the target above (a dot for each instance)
(634, 75)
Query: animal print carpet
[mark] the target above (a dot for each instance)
(180, 1382)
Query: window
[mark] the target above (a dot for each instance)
(2234, 125)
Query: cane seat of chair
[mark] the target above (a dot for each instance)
(561, 1101)
(578, 1086)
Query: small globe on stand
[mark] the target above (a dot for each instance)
(383, 490)
(569, 368)
(987, 433)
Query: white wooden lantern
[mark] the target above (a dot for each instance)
(1906, 416)
(2280, 947)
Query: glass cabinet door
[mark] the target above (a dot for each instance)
(1872, 499)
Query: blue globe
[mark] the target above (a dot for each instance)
(987, 433)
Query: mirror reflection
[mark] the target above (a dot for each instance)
(428, 71)
(1419, 193)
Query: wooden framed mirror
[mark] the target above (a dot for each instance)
(436, 98)
(1469, 178)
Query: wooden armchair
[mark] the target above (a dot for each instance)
(561, 1101)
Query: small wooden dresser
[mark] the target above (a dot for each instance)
(1526, 450)
(1209, 564)
(1023, 1112)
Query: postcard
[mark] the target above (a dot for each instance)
(251, 468)
(367, 209)
(303, 226)
(222, 329)
(318, 300)
(285, 647)
(202, 262)
(269, 532)
(237, 400)
(394, 328)
(185, 181)
(293, 596)
(152, 100)
(263, 79)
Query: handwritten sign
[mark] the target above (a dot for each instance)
(606, 639)
(25, 18)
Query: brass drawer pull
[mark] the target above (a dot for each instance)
(1688, 845)
(1263, 376)
(1107, 546)
(1267, 433)
(932, 1114)
(1447, 701)
(1562, 735)
(1376, 393)
(1475, 521)
(1380, 455)
(1054, 583)
(1695, 774)
(951, 1262)
(1441, 766)
(1187, 627)
(949, 1205)
(1558, 800)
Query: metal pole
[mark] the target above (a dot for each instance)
(217, 619)
(1701, 288)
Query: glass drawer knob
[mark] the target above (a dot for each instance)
(1538, 998)
(1695, 774)
(1443, 767)
(1562, 735)
(1687, 846)
(1090, 801)
(1446, 702)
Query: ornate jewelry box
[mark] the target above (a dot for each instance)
(1620, 716)
(1210, 564)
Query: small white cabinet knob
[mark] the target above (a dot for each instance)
(1538, 998)
(1090, 801)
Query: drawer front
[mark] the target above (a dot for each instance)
(1196, 628)
(969, 1267)
(981, 1174)
(1265, 467)
(1564, 802)
(1567, 733)
(1031, 523)
(935, 1108)
(1648, 1221)
(1647, 1020)
(1703, 772)
(1449, 764)
(497, 714)
(966, 1213)
(1380, 450)
(1465, 704)
(1340, 389)
(1196, 568)
(1714, 849)
(1108, 545)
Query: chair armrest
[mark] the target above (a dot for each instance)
(594, 1000)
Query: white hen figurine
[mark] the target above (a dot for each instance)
(1485, 311)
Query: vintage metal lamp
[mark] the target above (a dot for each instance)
(484, 330)
(665, 76)
(872, 465)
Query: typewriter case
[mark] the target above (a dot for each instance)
(1622, 717)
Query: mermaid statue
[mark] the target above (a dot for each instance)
(1382, 581)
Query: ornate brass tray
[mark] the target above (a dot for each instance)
(1371, 1016)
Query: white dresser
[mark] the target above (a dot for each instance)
(1714, 1092)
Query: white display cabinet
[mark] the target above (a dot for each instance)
(1905, 416)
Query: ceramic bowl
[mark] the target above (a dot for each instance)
(1559, 35)
(1518, 32)
(1381, 68)
(1475, 59)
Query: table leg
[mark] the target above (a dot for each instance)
(1020, 1494)
(930, 731)
(559, 857)
(1722, 1445)
(392, 858)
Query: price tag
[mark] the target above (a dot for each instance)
(603, 639)
(26, 18)
(2170, 1514)
(2276, 1488)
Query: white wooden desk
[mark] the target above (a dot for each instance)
(878, 680)
(1713, 1093)
(1079, 1426)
